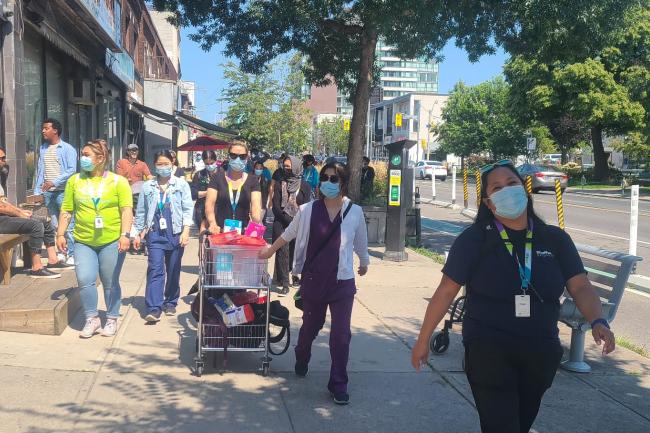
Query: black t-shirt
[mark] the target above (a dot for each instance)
(480, 260)
(223, 207)
(278, 175)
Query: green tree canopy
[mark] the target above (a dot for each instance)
(339, 37)
(331, 137)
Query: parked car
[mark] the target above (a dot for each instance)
(426, 169)
(552, 158)
(544, 176)
(340, 159)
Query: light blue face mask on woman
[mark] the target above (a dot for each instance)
(211, 167)
(86, 163)
(237, 164)
(329, 189)
(510, 202)
(259, 172)
(165, 171)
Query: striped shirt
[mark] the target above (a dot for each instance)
(52, 164)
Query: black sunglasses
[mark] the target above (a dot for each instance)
(238, 155)
(334, 178)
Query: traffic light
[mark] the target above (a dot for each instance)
(398, 119)
(346, 125)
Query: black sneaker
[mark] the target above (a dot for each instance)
(169, 310)
(301, 369)
(284, 291)
(341, 398)
(43, 273)
(295, 281)
(59, 266)
(153, 317)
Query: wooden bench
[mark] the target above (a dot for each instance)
(7, 244)
(608, 271)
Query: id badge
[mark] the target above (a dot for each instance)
(232, 226)
(522, 305)
(99, 222)
(162, 222)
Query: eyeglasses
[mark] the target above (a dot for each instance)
(489, 167)
(334, 178)
(238, 155)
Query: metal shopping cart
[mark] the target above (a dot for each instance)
(234, 270)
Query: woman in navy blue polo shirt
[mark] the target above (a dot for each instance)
(515, 268)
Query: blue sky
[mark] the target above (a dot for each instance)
(205, 70)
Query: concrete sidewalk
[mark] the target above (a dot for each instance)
(141, 380)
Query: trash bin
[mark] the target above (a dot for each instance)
(376, 224)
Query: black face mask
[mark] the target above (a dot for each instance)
(287, 172)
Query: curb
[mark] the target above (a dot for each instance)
(444, 204)
(595, 194)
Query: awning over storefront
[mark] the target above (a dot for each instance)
(203, 125)
(202, 143)
(153, 114)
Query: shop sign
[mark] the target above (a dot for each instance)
(108, 14)
(121, 64)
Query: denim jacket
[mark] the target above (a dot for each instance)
(180, 199)
(67, 156)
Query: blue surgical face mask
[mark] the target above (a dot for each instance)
(164, 171)
(237, 164)
(86, 163)
(211, 167)
(510, 202)
(329, 189)
(258, 172)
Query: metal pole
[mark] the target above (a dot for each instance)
(433, 183)
(418, 219)
(465, 190)
(560, 205)
(529, 184)
(478, 188)
(453, 184)
(634, 218)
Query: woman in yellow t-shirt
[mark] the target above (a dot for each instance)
(102, 204)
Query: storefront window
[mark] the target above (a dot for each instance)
(34, 103)
(110, 113)
(55, 85)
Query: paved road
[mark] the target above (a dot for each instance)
(598, 221)
(590, 220)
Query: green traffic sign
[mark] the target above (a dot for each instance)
(396, 160)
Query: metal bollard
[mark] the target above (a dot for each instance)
(478, 189)
(453, 184)
(418, 218)
(560, 205)
(465, 190)
(529, 185)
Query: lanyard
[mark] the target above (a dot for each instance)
(162, 200)
(96, 195)
(234, 201)
(526, 271)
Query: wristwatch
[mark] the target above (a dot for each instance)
(602, 321)
(127, 235)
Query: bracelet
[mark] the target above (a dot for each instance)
(602, 321)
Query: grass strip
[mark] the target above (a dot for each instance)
(624, 342)
(436, 257)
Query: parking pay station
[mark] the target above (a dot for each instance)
(400, 197)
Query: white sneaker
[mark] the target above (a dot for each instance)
(110, 328)
(70, 261)
(60, 257)
(92, 326)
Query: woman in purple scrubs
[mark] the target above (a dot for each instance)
(327, 232)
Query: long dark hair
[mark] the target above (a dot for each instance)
(166, 153)
(209, 154)
(484, 213)
(341, 172)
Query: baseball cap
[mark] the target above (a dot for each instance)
(132, 146)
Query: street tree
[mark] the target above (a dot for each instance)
(331, 136)
(339, 37)
(477, 120)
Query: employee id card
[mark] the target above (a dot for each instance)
(99, 222)
(162, 223)
(232, 226)
(522, 305)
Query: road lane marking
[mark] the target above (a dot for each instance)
(606, 235)
(594, 208)
(442, 227)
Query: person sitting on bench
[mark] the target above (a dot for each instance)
(14, 220)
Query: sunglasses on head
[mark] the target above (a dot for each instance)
(334, 178)
(489, 167)
(237, 155)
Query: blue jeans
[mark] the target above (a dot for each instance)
(163, 278)
(107, 262)
(53, 201)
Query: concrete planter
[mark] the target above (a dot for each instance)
(376, 222)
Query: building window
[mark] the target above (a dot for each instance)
(34, 101)
(55, 84)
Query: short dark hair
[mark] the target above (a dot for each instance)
(166, 153)
(341, 172)
(366, 159)
(209, 154)
(55, 125)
